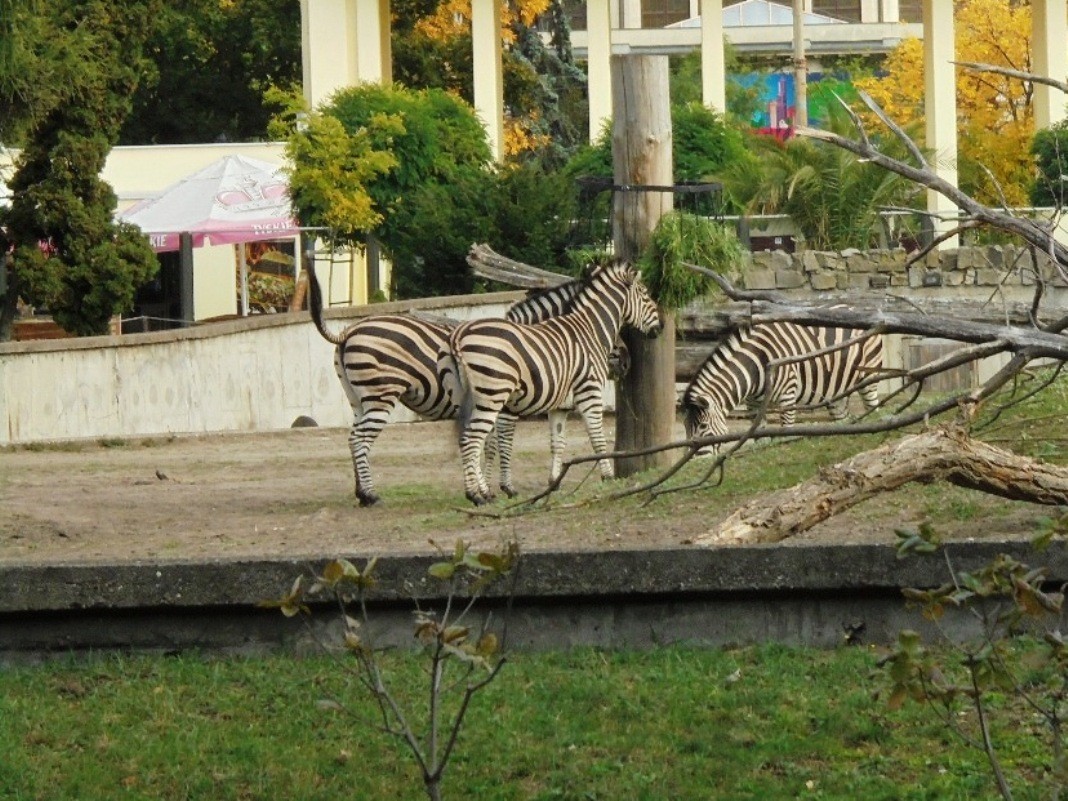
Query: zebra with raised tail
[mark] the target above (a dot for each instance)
(502, 370)
(386, 359)
(737, 372)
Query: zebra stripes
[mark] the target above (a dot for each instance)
(387, 359)
(501, 370)
(737, 372)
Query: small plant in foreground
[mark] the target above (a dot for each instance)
(1017, 655)
(463, 658)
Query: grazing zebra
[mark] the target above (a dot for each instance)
(389, 358)
(500, 370)
(736, 372)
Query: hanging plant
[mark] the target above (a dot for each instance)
(680, 237)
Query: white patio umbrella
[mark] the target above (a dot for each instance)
(234, 200)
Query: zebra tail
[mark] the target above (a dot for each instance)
(452, 375)
(315, 305)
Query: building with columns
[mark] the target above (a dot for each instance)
(347, 42)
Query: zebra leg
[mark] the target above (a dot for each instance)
(591, 408)
(557, 421)
(870, 396)
(472, 444)
(839, 409)
(504, 434)
(369, 420)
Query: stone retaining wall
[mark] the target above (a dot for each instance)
(988, 266)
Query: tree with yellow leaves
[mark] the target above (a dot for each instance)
(995, 119)
(544, 90)
(453, 18)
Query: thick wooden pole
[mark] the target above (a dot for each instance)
(641, 156)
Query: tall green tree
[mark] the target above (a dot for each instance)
(67, 252)
(211, 63)
(442, 161)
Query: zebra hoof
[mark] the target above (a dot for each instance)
(509, 490)
(368, 499)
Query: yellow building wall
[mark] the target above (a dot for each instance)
(139, 172)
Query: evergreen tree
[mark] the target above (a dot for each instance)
(68, 253)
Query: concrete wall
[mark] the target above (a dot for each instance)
(253, 374)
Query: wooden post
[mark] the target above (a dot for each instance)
(641, 157)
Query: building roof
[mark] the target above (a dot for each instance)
(750, 13)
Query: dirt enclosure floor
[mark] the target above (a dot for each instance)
(290, 494)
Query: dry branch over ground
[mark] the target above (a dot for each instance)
(942, 454)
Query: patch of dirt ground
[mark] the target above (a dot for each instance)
(290, 494)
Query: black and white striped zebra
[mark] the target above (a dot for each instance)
(503, 370)
(387, 359)
(737, 373)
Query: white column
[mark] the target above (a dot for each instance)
(1049, 35)
(328, 47)
(374, 54)
(940, 106)
(489, 81)
(632, 14)
(599, 63)
(869, 10)
(891, 10)
(713, 69)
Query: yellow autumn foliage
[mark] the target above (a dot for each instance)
(995, 119)
(453, 17)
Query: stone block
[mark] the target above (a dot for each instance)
(858, 281)
(830, 261)
(859, 263)
(823, 281)
(773, 260)
(988, 276)
(995, 256)
(892, 261)
(760, 278)
(954, 278)
(789, 279)
(810, 262)
(899, 279)
(970, 257)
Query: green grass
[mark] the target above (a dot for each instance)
(680, 723)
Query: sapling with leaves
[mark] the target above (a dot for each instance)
(1016, 658)
(463, 653)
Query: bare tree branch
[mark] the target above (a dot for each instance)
(1011, 73)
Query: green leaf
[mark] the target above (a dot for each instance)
(442, 570)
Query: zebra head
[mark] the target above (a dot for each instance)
(704, 417)
(639, 310)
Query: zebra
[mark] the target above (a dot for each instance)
(384, 359)
(500, 370)
(736, 372)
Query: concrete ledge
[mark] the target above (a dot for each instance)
(802, 595)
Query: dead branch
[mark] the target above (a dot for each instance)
(1030, 231)
(1030, 77)
(1017, 339)
(946, 454)
(488, 264)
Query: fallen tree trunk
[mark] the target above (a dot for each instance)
(946, 454)
(487, 263)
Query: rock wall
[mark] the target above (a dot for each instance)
(985, 266)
